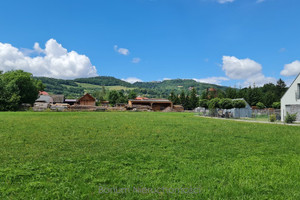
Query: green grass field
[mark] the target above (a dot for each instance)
(56, 155)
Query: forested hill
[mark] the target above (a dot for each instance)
(104, 81)
(177, 84)
(157, 89)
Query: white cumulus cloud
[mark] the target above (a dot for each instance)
(212, 80)
(121, 51)
(132, 80)
(55, 62)
(291, 69)
(245, 69)
(225, 1)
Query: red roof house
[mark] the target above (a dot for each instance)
(43, 93)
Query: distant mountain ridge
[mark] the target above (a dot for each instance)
(77, 87)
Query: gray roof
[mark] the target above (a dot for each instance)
(45, 99)
(58, 98)
(150, 100)
(71, 100)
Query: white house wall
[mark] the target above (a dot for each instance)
(290, 99)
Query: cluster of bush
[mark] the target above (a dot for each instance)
(290, 118)
(225, 103)
(275, 105)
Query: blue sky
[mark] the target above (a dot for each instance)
(228, 42)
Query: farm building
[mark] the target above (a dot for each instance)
(70, 101)
(290, 101)
(154, 104)
(86, 100)
(44, 99)
(141, 98)
(42, 103)
(58, 98)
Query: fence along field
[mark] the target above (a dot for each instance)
(71, 155)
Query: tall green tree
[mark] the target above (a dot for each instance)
(254, 95)
(9, 96)
(122, 98)
(204, 103)
(187, 103)
(204, 95)
(269, 98)
(113, 97)
(182, 98)
(172, 97)
(231, 93)
(194, 101)
(17, 87)
(132, 95)
(177, 100)
(280, 88)
(28, 88)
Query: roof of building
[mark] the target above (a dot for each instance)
(58, 98)
(141, 98)
(150, 100)
(88, 95)
(290, 85)
(43, 93)
(70, 100)
(44, 99)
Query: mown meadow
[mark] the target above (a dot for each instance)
(61, 155)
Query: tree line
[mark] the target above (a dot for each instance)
(267, 96)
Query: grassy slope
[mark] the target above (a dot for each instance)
(69, 155)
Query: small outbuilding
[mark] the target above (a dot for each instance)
(42, 103)
(86, 100)
(58, 98)
(70, 101)
(155, 104)
(240, 112)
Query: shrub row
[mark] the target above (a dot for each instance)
(222, 103)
